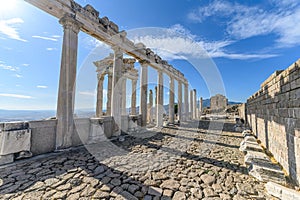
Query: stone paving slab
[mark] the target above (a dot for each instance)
(175, 163)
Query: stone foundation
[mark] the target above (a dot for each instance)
(273, 113)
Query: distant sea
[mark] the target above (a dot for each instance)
(30, 115)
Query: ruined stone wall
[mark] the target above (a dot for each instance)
(273, 113)
(218, 103)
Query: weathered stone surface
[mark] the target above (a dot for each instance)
(207, 179)
(179, 196)
(282, 192)
(155, 191)
(170, 184)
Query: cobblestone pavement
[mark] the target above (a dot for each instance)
(175, 163)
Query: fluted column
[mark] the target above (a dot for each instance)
(171, 100)
(179, 100)
(201, 106)
(116, 103)
(123, 96)
(143, 93)
(194, 104)
(191, 105)
(109, 94)
(160, 99)
(133, 97)
(99, 109)
(65, 101)
(186, 102)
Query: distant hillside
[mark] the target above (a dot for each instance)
(206, 103)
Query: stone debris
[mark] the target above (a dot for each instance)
(175, 163)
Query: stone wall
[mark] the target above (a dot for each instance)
(218, 103)
(273, 113)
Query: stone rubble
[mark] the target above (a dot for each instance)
(184, 163)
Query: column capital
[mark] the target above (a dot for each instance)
(144, 63)
(69, 22)
(117, 49)
(100, 76)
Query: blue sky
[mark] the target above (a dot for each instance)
(245, 41)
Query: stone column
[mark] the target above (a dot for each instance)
(99, 109)
(160, 100)
(65, 101)
(191, 105)
(186, 102)
(133, 97)
(155, 104)
(194, 104)
(171, 101)
(179, 100)
(116, 98)
(150, 105)
(123, 96)
(201, 106)
(143, 91)
(109, 93)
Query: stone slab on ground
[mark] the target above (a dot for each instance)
(250, 146)
(282, 192)
(251, 156)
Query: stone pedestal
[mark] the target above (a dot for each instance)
(96, 131)
(65, 102)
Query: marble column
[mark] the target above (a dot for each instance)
(179, 100)
(123, 80)
(109, 92)
(150, 105)
(116, 103)
(160, 99)
(194, 104)
(155, 104)
(171, 101)
(65, 101)
(143, 92)
(201, 106)
(191, 105)
(133, 97)
(99, 109)
(186, 102)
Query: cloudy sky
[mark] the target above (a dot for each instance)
(221, 46)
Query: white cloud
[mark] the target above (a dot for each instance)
(249, 21)
(18, 75)
(18, 96)
(8, 67)
(87, 93)
(51, 49)
(45, 38)
(7, 27)
(42, 86)
(171, 44)
(25, 65)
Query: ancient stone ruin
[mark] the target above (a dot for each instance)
(115, 155)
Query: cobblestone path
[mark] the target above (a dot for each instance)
(174, 163)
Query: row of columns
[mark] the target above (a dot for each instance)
(116, 104)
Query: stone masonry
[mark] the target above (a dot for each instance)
(218, 103)
(273, 113)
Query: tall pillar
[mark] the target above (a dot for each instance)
(171, 100)
(109, 93)
(191, 105)
(99, 109)
(194, 104)
(155, 104)
(150, 105)
(186, 102)
(116, 102)
(143, 93)
(200, 106)
(133, 97)
(123, 80)
(179, 100)
(160, 100)
(65, 101)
